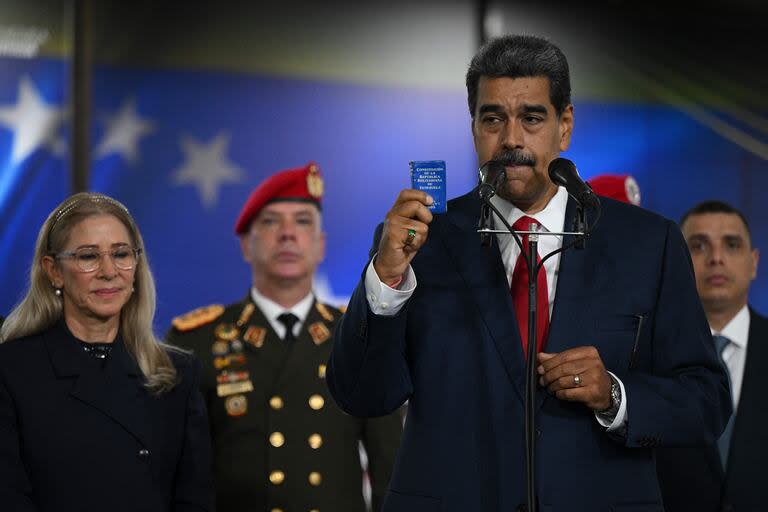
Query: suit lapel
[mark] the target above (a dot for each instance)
(484, 275)
(575, 275)
(751, 410)
(116, 390)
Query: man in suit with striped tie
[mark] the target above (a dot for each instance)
(729, 476)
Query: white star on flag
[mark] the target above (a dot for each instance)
(34, 123)
(123, 131)
(207, 167)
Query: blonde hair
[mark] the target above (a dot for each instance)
(41, 307)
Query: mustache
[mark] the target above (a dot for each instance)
(515, 157)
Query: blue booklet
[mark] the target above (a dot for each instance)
(429, 176)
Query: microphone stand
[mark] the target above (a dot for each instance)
(581, 232)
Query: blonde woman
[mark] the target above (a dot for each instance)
(95, 413)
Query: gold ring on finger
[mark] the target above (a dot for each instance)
(577, 380)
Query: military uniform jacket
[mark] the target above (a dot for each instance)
(279, 442)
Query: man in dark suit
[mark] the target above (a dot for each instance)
(725, 264)
(280, 443)
(627, 359)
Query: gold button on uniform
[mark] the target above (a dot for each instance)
(316, 402)
(315, 441)
(277, 477)
(321, 371)
(315, 478)
(276, 439)
(315, 510)
(276, 402)
(276, 510)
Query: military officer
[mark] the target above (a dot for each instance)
(280, 443)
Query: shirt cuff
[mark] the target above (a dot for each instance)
(383, 300)
(620, 421)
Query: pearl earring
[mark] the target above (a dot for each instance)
(58, 292)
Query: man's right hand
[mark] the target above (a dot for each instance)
(396, 248)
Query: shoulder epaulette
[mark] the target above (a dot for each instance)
(198, 317)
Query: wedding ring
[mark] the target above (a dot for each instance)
(410, 237)
(577, 380)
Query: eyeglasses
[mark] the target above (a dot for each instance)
(89, 259)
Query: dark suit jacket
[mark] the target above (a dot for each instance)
(692, 478)
(244, 458)
(76, 436)
(454, 351)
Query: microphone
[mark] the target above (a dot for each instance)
(563, 172)
(490, 175)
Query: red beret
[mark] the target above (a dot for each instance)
(302, 184)
(621, 187)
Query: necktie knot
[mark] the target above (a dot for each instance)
(288, 320)
(524, 223)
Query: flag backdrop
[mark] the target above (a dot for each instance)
(183, 149)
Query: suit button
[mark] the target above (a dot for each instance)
(316, 402)
(538, 433)
(277, 439)
(521, 508)
(276, 403)
(315, 441)
(143, 454)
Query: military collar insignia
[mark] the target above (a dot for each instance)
(255, 335)
(319, 332)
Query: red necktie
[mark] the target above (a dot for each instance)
(519, 292)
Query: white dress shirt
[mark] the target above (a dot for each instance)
(272, 310)
(735, 354)
(386, 301)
